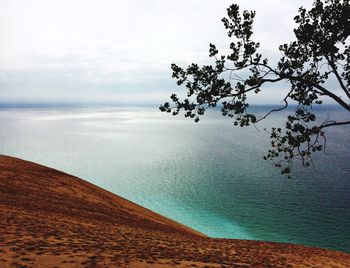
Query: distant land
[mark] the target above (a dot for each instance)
(52, 219)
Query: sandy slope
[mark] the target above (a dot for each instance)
(51, 219)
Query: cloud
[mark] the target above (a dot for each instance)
(63, 50)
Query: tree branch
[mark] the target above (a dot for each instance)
(277, 109)
(334, 70)
(322, 89)
(334, 123)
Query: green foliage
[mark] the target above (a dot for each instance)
(320, 52)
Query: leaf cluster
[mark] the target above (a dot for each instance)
(320, 52)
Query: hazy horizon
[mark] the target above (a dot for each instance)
(121, 51)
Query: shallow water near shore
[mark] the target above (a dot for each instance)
(209, 176)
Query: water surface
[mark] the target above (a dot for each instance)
(210, 175)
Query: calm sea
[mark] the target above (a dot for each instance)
(210, 175)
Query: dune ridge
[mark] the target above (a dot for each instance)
(52, 219)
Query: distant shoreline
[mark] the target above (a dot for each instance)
(133, 105)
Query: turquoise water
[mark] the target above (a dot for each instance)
(210, 175)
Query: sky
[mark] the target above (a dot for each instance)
(114, 51)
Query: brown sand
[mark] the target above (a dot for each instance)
(51, 219)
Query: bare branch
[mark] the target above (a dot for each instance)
(334, 70)
(334, 123)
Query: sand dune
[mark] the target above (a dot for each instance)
(51, 219)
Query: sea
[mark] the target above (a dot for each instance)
(209, 175)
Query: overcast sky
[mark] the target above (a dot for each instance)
(113, 51)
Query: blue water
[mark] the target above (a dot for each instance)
(210, 175)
